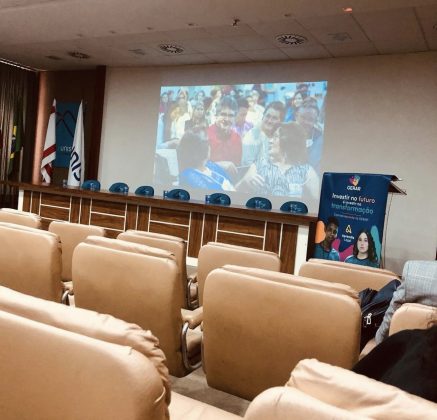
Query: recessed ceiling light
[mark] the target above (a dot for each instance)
(340, 36)
(79, 55)
(171, 48)
(347, 9)
(291, 39)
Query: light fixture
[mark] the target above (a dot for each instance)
(171, 48)
(347, 9)
(79, 55)
(235, 22)
(291, 39)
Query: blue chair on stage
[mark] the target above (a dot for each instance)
(119, 188)
(91, 184)
(218, 199)
(145, 190)
(294, 207)
(259, 203)
(177, 194)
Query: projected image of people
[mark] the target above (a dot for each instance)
(364, 250)
(255, 138)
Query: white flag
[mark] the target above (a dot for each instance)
(77, 164)
(49, 152)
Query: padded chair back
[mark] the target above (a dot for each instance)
(71, 235)
(18, 217)
(357, 277)
(259, 203)
(91, 184)
(258, 324)
(354, 266)
(294, 207)
(133, 282)
(30, 261)
(173, 244)
(119, 187)
(412, 316)
(145, 190)
(88, 323)
(177, 194)
(70, 376)
(215, 255)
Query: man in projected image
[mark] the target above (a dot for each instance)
(224, 141)
(256, 141)
(307, 116)
(324, 249)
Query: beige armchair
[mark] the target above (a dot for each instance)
(258, 324)
(177, 246)
(80, 364)
(355, 276)
(30, 261)
(19, 217)
(138, 284)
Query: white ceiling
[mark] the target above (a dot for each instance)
(129, 32)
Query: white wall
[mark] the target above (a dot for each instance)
(381, 117)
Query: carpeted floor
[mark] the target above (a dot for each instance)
(194, 386)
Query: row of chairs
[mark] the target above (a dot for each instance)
(86, 365)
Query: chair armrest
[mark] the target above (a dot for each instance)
(194, 317)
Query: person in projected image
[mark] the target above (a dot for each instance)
(256, 111)
(241, 125)
(294, 102)
(286, 172)
(196, 170)
(307, 116)
(224, 141)
(324, 249)
(364, 251)
(198, 120)
(256, 141)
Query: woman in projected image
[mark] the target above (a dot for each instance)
(198, 120)
(364, 251)
(287, 172)
(292, 105)
(196, 170)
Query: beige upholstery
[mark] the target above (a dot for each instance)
(358, 394)
(357, 278)
(20, 218)
(51, 373)
(136, 283)
(411, 316)
(214, 255)
(177, 246)
(354, 266)
(258, 324)
(72, 234)
(30, 261)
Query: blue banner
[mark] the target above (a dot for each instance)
(66, 115)
(351, 218)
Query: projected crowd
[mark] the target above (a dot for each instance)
(262, 139)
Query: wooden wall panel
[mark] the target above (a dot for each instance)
(311, 240)
(106, 207)
(56, 213)
(35, 202)
(75, 209)
(288, 248)
(273, 237)
(209, 228)
(143, 218)
(233, 224)
(55, 200)
(170, 216)
(26, 200)
(195, 239)
(45, 224)
(112, 233)
(131, 216)
(167, 229)
(85, 211)
(241, 240)
(107, 221)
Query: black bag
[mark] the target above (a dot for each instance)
(373, 306)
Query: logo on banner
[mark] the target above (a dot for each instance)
(354, 180)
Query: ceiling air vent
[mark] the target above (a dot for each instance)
(291, 39)
(79, 55)
(171, 48)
